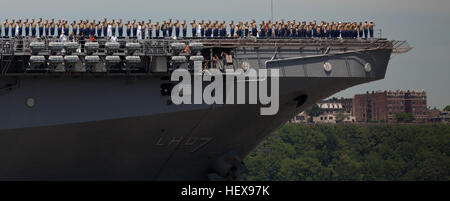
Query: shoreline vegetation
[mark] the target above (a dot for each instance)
(349, 152)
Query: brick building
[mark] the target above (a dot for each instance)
(370, 107)
(414, 102)
(384, 105)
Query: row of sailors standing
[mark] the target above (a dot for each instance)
(56, 28)
(169, 28)
(91, 28)
(282, 29)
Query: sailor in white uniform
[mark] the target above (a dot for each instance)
(109, 31)
(139, 32)
(199, 28)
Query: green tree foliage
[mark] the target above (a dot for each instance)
(352, 152)
(404, 117)
(313, 111)
(447, 108)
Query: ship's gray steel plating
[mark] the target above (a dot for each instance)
(84, 126)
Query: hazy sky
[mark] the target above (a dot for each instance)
(425, 24)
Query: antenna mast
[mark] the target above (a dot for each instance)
(271, 10)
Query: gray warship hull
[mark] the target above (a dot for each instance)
(124, 128)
